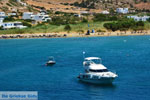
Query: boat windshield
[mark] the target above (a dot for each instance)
(100, 70)
(96, 61)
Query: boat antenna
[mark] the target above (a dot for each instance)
(83, 54)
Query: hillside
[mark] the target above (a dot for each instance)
(74, 6)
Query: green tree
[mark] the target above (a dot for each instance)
(148, 20)
(84, 20)
(7, 19)
(140, 23)
(26, 24)
(67, 28)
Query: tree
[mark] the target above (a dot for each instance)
(26, 24)
(7, 19)
(112, 12)
(140, 23)
(124, 25)
(148, 20)
(84, 20)
(67, 28)
(1, 27)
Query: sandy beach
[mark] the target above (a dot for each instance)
(63, 34)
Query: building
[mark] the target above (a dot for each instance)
(27, 15)
(105, 12)
(122, 10)
(1, 21)
(137, 18)
(12, 14)
(22, 3)
(40, 17)
(18, 0)
(42, 11)
(10, 25)
(84, 12)
(77, 15)
(2, 15)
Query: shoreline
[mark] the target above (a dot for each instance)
(67, 35)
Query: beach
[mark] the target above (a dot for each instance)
(72, 34)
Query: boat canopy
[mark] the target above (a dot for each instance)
(92, 58)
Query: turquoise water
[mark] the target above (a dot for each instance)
(22, 67)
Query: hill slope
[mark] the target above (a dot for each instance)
(73, 5)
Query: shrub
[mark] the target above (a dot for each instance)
(84, 20)
(102, 17)
(80, 31)
(26, 24)
(148, 20)
(20, 31)
(139, 23)
(124, 25)
(100, 30)
(67, 28)
(1, 28)
(7, 19)
(58, 21)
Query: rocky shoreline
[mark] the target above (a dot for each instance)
(19, 36)
(57, 35)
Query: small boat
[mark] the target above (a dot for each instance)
(51, 61)
(95, 72)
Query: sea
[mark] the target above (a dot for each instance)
(22, 67)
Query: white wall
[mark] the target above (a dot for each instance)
(27, 15)
(2, 13)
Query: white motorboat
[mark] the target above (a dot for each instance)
(95, 72)
(51, 61)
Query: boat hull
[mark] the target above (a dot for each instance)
(50, 63)
(98, 81)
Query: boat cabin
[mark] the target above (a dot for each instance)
(94, 64)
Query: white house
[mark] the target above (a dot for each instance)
(2, 15)
(9, 25)
(11, 14)
(105, 12)
(122, 10)
(18, 0)
(1, 21)
(84, 12)
(27, 15)
(77, 15)
(137, 18)
(42, 17)
(145, 18)
(22, 3)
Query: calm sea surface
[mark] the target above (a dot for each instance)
(22, 67)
